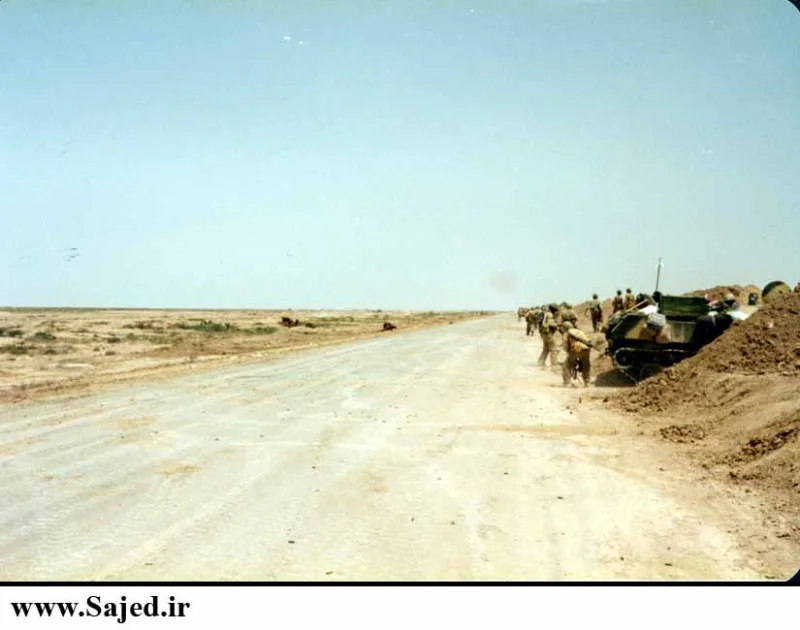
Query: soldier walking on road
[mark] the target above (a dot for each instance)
(618, 304)
(530, 323)
(578, 347)
(596, 313)
(548, 331)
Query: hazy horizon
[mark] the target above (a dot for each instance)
(395, 156)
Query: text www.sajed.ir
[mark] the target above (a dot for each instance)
(95, 607)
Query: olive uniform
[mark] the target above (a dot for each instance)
(617, 303)
(629, 301)
(530, 323)
(569, 315)
(596, 313)
(548, 330)
(578, 347)
(539, 313)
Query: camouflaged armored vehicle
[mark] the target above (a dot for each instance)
(643, 342)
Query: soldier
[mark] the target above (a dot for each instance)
(797, 288)
(595, 312)
(521, 312)
(567, 314)
(530, 322)
(578, 348)
(539, 313)
(629, 301)
(548, 330)
(618, 303)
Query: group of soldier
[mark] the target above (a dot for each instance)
(552, 319)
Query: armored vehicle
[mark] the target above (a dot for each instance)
(643, 342)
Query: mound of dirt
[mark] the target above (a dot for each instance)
(585, 320)
(766, 343)
(683, 433)
(736, 403)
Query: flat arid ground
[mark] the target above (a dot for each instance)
(433, 454)
(46, 352)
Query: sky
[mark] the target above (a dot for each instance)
(396, 155)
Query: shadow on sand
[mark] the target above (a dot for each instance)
(613, 378)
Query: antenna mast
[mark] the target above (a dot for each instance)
(658, 272)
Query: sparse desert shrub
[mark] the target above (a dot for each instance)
(141, 325)
(130, 337)
(14, 349)
(11, 332)
(43, 335)
(50, 351)
(110, 353)
(114, 339)
(207, 326)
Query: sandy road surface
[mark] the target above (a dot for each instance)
(438, 454)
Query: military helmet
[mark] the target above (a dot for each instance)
(619, 292)
(567, 324)
(594, 296)
(729, 297)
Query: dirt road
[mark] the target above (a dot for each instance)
(437, 454)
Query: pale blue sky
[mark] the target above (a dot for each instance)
(408, 154)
